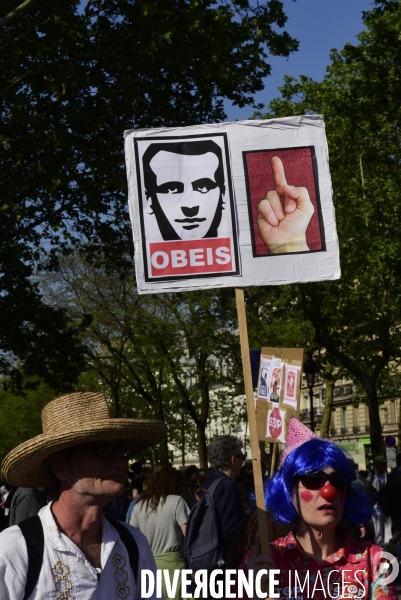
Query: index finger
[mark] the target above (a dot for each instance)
(278, 175)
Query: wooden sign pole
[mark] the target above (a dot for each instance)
(274, 460)
(250, 403)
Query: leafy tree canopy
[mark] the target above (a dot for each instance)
(357, 319)
(70, 83)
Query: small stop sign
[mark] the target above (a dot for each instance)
(275, 424)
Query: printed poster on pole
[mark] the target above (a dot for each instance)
(231, 205)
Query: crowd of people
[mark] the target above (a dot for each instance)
(77, 524)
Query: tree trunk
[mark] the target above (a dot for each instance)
(326, 420)
(376, 438)
(399, 425)
(202, 447)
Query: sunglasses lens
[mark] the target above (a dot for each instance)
(314, 481)
(337, 480)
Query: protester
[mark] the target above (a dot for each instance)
(246, 487)
(83, 453)
(381, 522)
(136, 484)
(161, 514)
(134, 500)
(191, 475)
(203, 475)
(27, 502)
(226, 459)
(312, 491)
(6, 495)
(389, 497)
(361, 531)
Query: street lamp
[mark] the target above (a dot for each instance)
(181, 410)
(310, 370)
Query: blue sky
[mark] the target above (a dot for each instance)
(319, 26)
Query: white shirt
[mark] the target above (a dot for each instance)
(66, 573)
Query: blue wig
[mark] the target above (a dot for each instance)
(314, 455)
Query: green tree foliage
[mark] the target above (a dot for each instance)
(357, 319)
(70, 83)
(20, 414)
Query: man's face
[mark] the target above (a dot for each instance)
(187, 191)
(100, 478)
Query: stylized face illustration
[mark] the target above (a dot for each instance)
(186, 192)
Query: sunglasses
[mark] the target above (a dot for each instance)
(317, 479)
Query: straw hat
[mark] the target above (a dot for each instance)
(69, 421)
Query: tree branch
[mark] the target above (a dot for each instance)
(15, 13)
(15, 83)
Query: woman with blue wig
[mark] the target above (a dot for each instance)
(312, 491)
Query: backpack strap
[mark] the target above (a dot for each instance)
(210, 490)
(129, 542)
(32, 530)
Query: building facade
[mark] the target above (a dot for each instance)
(349, 426)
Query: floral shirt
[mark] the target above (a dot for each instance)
(350, 573)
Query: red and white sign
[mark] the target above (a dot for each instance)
(190, 257)
(276, 424)
(291, 384)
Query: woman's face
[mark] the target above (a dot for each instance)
(321, 508)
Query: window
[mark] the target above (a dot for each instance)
(344, 419)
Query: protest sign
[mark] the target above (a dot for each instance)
(274, 409)
(291, 385)
(276, 424)
(231, 204)
(264, 378)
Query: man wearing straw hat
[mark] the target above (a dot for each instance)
(83, 453)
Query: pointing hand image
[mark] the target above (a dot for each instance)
(284, 215)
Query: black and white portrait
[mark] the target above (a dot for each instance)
(186, 196)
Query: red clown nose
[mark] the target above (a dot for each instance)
(328, 492)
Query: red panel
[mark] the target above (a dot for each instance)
(298, 168)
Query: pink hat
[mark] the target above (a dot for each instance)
(297, 435)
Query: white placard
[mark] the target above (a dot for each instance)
(291, 384)
(264, 378)
(231, 204)
(275, 380)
